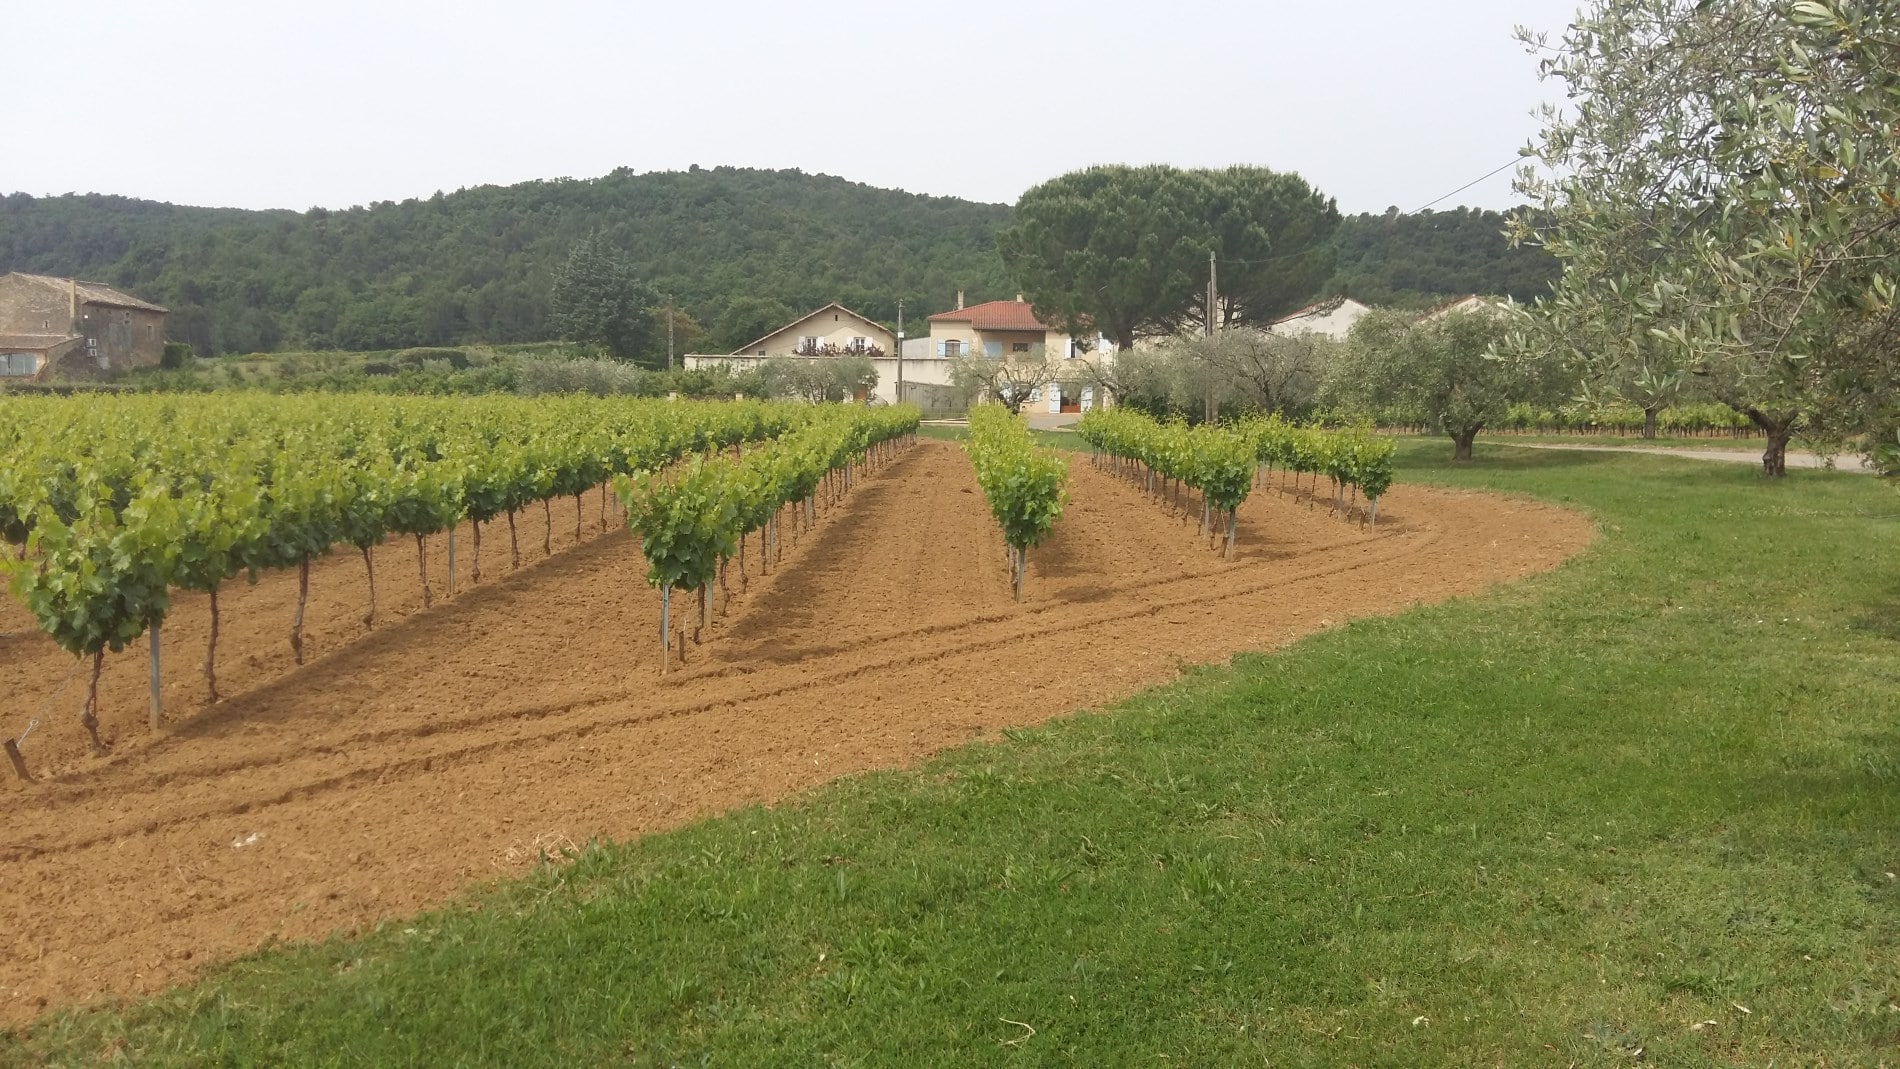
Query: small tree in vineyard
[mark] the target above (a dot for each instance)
(1442, 369)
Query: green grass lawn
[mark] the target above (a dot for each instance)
(1744, 445)
(1641, 808)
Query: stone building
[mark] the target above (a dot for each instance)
(73, 328)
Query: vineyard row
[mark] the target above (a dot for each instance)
(695, 518)
(1225, 463)
(112, 502)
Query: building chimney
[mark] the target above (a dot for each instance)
(959, 300)
(1019, 297)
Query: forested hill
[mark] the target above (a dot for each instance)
(735, 248)
(739, 250)
(1418, 259)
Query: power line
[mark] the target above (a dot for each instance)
(1466, 186)
(1291, 255)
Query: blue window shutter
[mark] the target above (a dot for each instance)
(993, 348)
(940, 350)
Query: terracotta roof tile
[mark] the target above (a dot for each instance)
(995, 315)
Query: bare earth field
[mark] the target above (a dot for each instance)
(450, 746)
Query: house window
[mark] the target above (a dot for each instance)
(993, 349)
(860, 343)
(17, 364)
(953, 347)
(761, 352)
(1019, 347)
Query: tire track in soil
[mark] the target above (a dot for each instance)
(384, 777)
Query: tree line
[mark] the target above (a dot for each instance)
(727, 254)
(737, 251)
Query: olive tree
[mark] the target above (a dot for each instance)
(821, 379)
(1008, 379)
(1201, 375)
(1441, 371)
(1263, 371)
(1722, 194)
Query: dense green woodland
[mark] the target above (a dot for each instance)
(476, 265)
(739, 250)
(1414, 260)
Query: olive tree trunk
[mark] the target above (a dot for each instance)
(1461, 439)
(1778, 428)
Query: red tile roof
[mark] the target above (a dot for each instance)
(995, 315)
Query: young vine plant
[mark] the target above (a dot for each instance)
(1025, 486)
(1224, 463)
(111, 502)
(692, 518)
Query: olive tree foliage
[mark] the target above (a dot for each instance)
(1237, 369)
(1007, 379)
(1724, 192)
(1124, 250)
(818, 379)
(1443, 372)
(1165, 381)
(1263, 371)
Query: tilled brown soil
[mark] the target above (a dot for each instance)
(450, 746)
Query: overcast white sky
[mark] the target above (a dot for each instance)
(339, 102)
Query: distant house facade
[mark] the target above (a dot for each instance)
(74, 327)
(1330, 318)
(831, 331)
(998, 329)
(1472, 303)
(833, 328)
(992, 329)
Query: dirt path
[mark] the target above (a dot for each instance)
(1796, 458)
(452, 747)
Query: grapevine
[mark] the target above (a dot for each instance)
(692, 518)
(1223, 463)
(1024, 485)
(109, 502)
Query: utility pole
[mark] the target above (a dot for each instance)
(1213, 303)
(669, 332)
(1213, 295)
(900, 350)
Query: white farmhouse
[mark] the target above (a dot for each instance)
(1332, 318)
(1472, 303)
